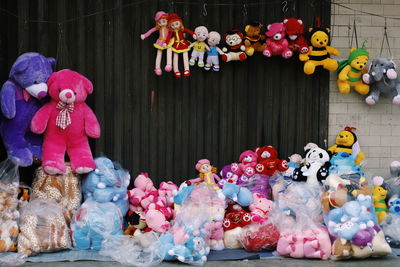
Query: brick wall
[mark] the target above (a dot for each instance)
(378, 127)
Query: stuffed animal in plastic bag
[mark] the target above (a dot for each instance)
(215, 226)
(136, 224)
(107, 183)
(294, 32)
(248, 161)
(199, 46)
(268, 162)
(44, 227)
(227, 175)
(235, 48)
(343, 163)
(65, 189)
(379, 194)
(257, 237)
(178, 43)
(351, 71)
(315, 168)
(260, 207)
(67, 122)
(21, 96)
(161, 19)
(143, 188)
(237, 193)
(319, 51)
(157, 216)
(94, 222)
(382, 78)
(254, 39)
(277, 43)
(346, 141)
(213, 51)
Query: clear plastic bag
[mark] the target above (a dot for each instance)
(143, 250)
(8, 259)
(93, 222)
(9, 182)
(390, 227)
(44, 227)
(350, 216)
(64, 189)
(258, 183)
(257, 237)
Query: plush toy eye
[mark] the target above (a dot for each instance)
(74, 93)
(317, 40)
(59, 90)
(381, 65)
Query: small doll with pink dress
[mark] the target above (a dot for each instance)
(161, 19)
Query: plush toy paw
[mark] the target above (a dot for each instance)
(249, 172)
(267, 53)
(242, 56)
(304, 50)
(396, 100)
(52, 170)
(83, 170)
(287, 54)
(168, 67)
(370, 101)
(365, 78)
(21, 157)
(391, 74)
(224, 58)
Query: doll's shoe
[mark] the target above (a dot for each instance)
(192, 62)
(168, 67)
(200, 64)
(158, 71)
(186, 73)
(207, 67)
(177, 74)
(216, 68)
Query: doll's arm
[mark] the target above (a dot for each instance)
(333, 51)
(216, 177)
(191, 45)
(207, 47)
(40, 120)
(148, 33)
(343, 74)
(168, 39)
(8, 100)
(220, 51)
(190, 32)
(196, 180)
(92, 126)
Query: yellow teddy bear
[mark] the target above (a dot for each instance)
(319, 51)
(346, 141)
(351, 71)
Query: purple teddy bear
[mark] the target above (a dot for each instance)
(21, 96)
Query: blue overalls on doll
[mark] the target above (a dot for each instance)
(344, 163)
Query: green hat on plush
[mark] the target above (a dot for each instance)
(354, 53)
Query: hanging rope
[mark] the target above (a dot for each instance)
(354, 34)
(385, 37)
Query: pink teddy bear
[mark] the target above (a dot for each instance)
(277, 43)
(67, 122)
(291, 244)
(260, 207)
(166, 192)
(248, 161)
(142, 192)
(157, 217)
(317, 243)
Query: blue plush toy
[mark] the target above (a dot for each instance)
(94, 222)
(344, 163)
(394, 204)
(107, 183)
(21, 96)
(183, 194)
(239, 194)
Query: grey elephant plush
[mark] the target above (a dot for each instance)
(382, 78)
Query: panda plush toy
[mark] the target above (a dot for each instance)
(315, 167)
(236, 48)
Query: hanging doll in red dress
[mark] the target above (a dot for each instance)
(179, 44)
(161, 19)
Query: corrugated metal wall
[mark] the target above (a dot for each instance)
(163, 125)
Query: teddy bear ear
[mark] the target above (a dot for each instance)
(269, 26)
(285, 20)
(52, 61)
(52, 79)
(20, 67)
(310, 29)
(328, 30)
(300, 21)
(246, 28)
(88, 85)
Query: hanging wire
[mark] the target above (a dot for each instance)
(354, 34)
(285, 7)
(385, 37)
(244, 10)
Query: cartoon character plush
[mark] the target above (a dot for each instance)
(161, 19)
(207, 174)
(346, 141)
(253, 40)
(213, 51)
(22, 95)
(237, 193)
(93, 222)
(343, 163)
(157, 216)
(144, 188)
(178, 43)
(67, 122)
(319, 51)
(277, 43)
(199, 46)
(294, 31)
(351, 71)
(136, 224)
(315, 168)
(236, 218)
(232, 238)
(394, 204)
(248, 161)
(268, 162)
(227, 175)
(235, 49)
(107, 183)
(260, 207)
(382, 78)
(379, 194)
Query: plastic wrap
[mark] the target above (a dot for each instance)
(64, 189)
(257, 237)
(390, 227)
(94, 222)
(143, 250)
(44, 227)
(9, 183)
(188, 240)
(298, 216)
(350, 217)
(8, 259)
(258, 183)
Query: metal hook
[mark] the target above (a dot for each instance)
(244, 10)
(171, 6)
(284, 6)
(294, 5)
(205, 9)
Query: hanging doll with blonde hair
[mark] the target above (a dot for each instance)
(161, 19)
(179, 44)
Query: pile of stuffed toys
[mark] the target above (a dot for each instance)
(317, 206)
(280, 39)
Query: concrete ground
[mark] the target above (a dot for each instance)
(391, 261)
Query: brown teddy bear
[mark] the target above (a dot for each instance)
(254, 40)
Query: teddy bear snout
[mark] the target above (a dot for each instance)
(67, 96)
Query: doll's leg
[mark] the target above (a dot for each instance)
(186, 72)
(168, 67)
(373, 97)
(176, 66)
(53, 155)
(330, 64)
(208, 63)
(396, 94)
(215, 61)
(201, 60)
(193, 58)
(344, 86)
(361, 88)
(81, 157)
(157, 69)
